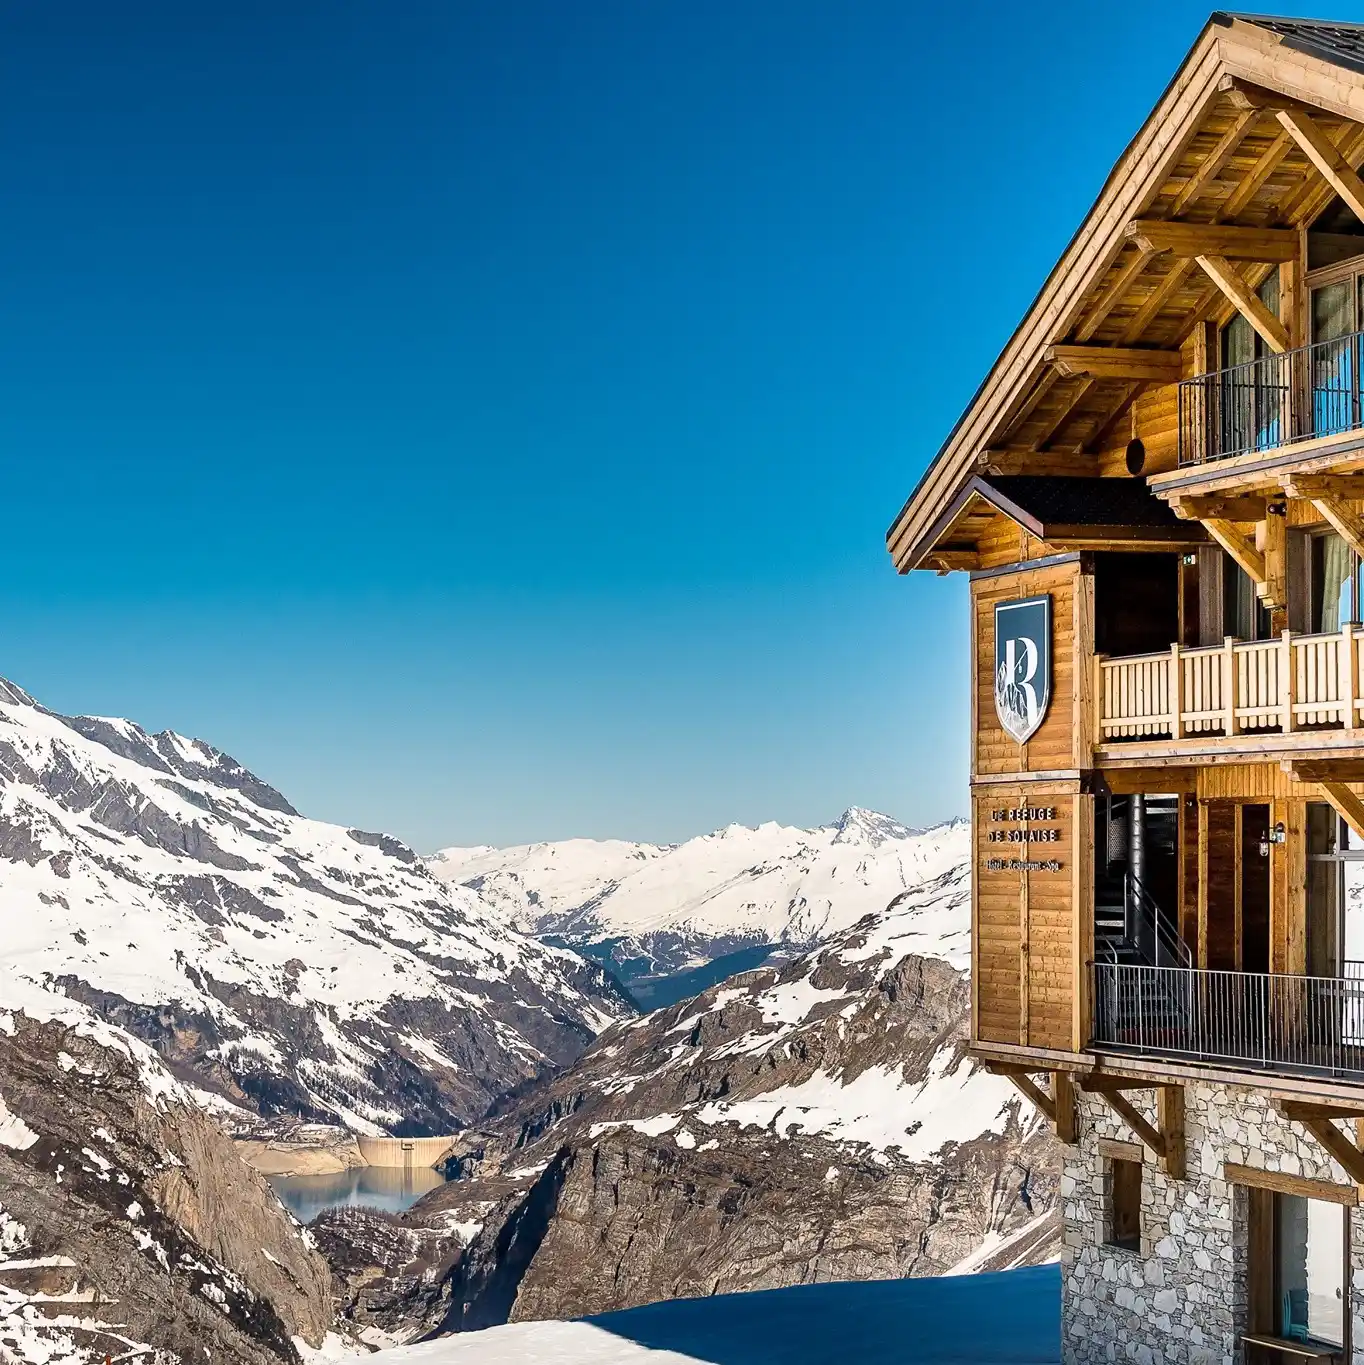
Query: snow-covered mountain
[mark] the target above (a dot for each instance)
(279, 963)
(653, 910)
(817, 1120)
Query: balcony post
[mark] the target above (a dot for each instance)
(1229, 726)
(1288, 680)
(1349, 668)
(1176, 693)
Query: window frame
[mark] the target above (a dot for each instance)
(1128, 1176)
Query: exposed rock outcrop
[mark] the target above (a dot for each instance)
(127, 1221)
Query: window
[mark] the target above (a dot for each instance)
(1253, 398)
(1336, 298)
(1309, 1269)
(1124, 1204)
(1335, 583)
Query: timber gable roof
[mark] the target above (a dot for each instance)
(1125, 295)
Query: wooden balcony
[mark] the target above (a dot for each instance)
(1295, 692)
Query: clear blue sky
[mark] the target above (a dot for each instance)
(482, 420)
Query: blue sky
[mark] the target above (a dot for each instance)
(483, 420)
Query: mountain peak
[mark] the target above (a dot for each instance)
(859, 825)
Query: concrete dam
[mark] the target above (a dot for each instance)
(409, 1152)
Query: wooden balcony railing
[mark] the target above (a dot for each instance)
(1291, 683)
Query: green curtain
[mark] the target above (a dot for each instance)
(1335, 585)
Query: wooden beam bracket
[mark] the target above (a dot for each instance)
(1326, 157)
(1167, 1139)
(1229, 280)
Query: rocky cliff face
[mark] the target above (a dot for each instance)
(813, 1121)
(284, 965)
(128, 1228)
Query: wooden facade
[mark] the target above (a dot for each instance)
(1170, 454)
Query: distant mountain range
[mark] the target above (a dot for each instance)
(672, 919)
(279, 964)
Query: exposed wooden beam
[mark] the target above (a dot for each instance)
(1107, 423)
(1325, 486)
(1220, 271)
(1163, 292)
(1123, 1108)
(1324, 769)
(1068, 405)
(1326, 157)
(1282, 1183)
(1116, 362)
(1040, 389)
(1344, 520)
(1255, 178)
(1219, 507)
(1347, 1155)
(948, 560)
(1305, 203)
(1216, 160)
(1239, 546)
(1246, 95)
(1170, 1116)
(1033, 1093)
(1117, 287)
(1303, 1109)
(1215, 239)
(1066, 1123)
(1345, 804)
(1020, 460)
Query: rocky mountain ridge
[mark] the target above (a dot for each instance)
(279, 965)
(816, 1120)
(652, 911)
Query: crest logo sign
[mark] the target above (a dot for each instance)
(1023, 664)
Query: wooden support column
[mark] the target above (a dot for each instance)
(1170, 1114)
(1272, 534)
(1066, 1121)
(1082, 917)
(1288, 888)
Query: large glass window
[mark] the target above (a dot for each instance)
(1335, 310)
(1309, 1269)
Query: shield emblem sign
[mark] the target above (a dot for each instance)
(1023, 664)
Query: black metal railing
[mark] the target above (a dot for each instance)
(1151, 930)
(1274, 401)
(1306, 1024)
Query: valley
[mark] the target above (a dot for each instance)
(644, 1072)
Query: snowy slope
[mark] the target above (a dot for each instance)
(665, 908)
(284, 964)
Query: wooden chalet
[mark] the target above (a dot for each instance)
(1158, 494)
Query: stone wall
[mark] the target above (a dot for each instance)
(1182, 1297)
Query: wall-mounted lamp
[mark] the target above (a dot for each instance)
(1277, 835)
(1277, 509)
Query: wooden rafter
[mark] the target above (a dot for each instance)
(1167, 287)
(1040, 389)
(1255, 178)
(1326, 157)
(1221, 272)
(1116, 362)
(1117, 288)
(1216, 160)
(1108, 422)
(947, 560)
(1312, 195)
(1068, 406)
(1055, 463)
(1214, 239)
